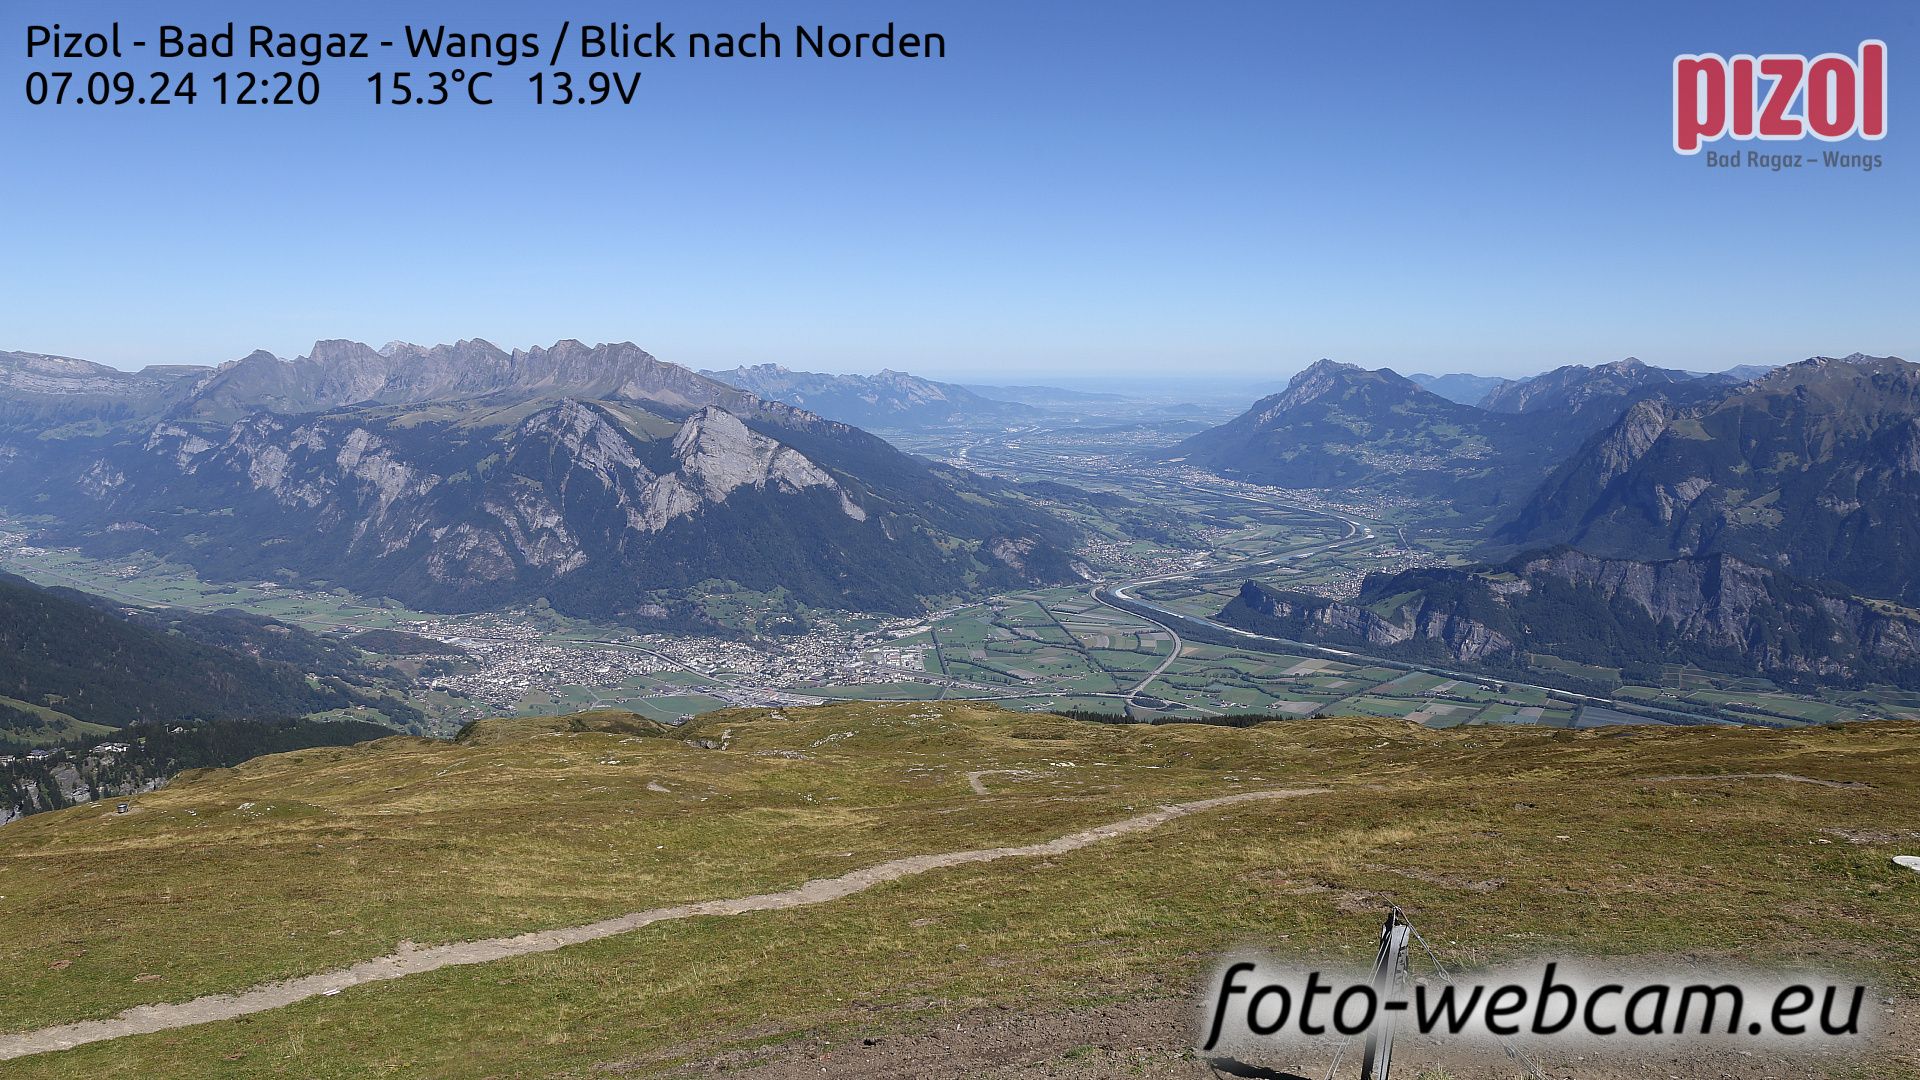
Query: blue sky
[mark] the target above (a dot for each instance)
(1222, 188)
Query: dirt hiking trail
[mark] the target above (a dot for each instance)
(147, 1019)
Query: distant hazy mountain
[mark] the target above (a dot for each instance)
(462, 476)
(1461, 387)
(1813, 469)
(1575, 391)
(36, 386)
(891, 399)
(1042, 396)
(1341, 426)
(1739, 374)
(1716, 611)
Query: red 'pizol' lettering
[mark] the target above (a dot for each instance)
(1779, 96)
(1785, 71)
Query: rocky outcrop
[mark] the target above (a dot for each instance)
(1724, 603)
(1321, 379)
(1629, 439)
(1715, 611)
(718, 454)
(1319, 618)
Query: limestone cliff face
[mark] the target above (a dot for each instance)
(1715, 610)
(60, 388)
(1465, 638)
(568, 468)
(718, 454)
(1725, 603)
(1630, 438)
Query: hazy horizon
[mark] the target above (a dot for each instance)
(1217, 379)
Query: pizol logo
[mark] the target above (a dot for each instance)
(1779, 96)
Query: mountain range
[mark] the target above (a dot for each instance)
(1585, 383)
(891, 399)
(1339, 425)
(1767, 525)
(1813, 469)
(463, 476)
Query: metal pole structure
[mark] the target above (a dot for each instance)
(1389, 976)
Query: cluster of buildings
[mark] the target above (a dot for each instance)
(1120, 559)
(828, 653)
(509, 656)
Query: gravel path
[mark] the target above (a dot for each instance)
(146, 1019)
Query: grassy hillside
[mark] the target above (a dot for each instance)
(1501, 843)
(22, 723)
(81, 658)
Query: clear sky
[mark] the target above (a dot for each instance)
(1226, 188)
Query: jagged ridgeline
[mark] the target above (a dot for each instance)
(463, 477)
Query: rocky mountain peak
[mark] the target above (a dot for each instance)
(341, 350)
(1320, 379)
(255, 358)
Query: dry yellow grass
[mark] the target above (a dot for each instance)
(1501, 843)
